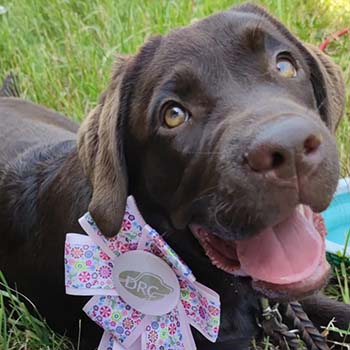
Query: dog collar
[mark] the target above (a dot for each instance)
(143, 295)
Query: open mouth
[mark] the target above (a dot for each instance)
(284, 261)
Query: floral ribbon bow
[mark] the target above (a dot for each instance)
(144, 296)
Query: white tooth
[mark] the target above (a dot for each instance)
(300, 209)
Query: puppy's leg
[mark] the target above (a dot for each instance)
(321, 310)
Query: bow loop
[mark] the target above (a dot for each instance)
(126, 239)
(202, 307)
(168, 332)
(88, 269)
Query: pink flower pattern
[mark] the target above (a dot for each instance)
(128, 323)
(77, 252)
(172, 328)
(84, 276)
(126, 225)
(105, 271)
(104, 256)
(105, 311)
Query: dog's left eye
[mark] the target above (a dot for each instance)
(286, 67)
(174, 115)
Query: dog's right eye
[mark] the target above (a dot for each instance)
(174, 115)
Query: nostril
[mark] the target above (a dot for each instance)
(264, 158)
(311, 144)
(277, 160)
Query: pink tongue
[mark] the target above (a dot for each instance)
(282, 254)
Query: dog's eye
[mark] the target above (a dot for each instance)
(175, 115)
(286, 67)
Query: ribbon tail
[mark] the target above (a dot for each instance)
(135, 346)
(109, 343)
(117, 318)
(206, 302)
(117, 346)
(187, 333)
(169, 332)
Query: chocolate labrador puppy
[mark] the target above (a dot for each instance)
(223, 132)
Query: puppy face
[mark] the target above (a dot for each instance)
(224, 127)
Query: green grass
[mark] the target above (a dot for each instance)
(339, 288)
(24, 329)
(62, 51)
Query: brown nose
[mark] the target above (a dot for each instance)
(286, 148)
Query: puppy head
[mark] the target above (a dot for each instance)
(224, 126)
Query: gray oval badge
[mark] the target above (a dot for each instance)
(146, 282)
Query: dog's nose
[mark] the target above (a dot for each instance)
(286, 148)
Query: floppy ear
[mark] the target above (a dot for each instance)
(326, 77)
(100, 150)
(101, 141)
(329, 86)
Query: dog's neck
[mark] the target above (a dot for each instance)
(47, 175)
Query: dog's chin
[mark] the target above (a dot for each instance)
(284, 262)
